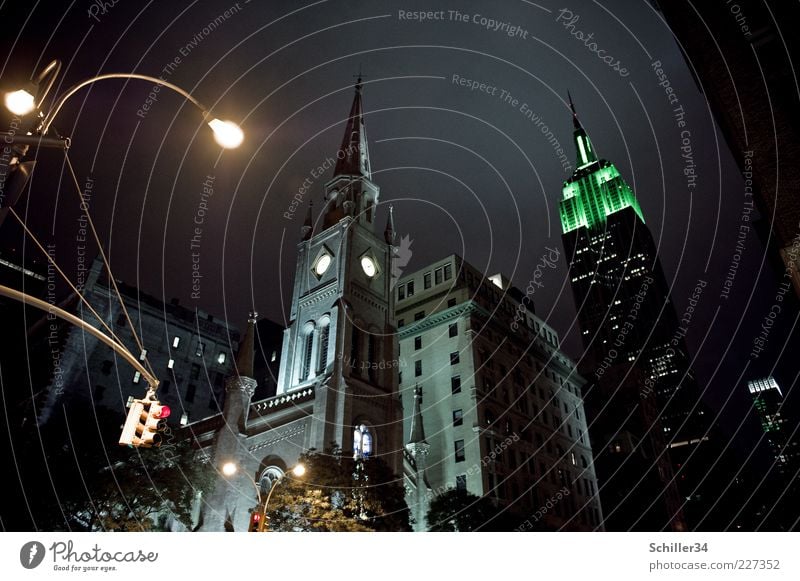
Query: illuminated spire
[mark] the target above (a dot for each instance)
(389, 234)
(353, 155)
(583, 145)
(417, 429)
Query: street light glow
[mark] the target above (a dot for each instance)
(299, 470)
(226, 133)
(229, 469)
(20, 102)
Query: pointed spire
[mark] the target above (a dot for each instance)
(389, 234)
(583, 145)
(353, 155)
(417, 428)
(575, 122)
(246, 355)
(307, 230)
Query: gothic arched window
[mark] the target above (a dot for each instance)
(363, 446)
(308, 348)
(324, 341)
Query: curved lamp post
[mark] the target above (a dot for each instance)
(22, 101)
(230, 468)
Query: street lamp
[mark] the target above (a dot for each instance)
(21, 102)
(230, 468)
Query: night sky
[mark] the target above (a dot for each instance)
(466, 170)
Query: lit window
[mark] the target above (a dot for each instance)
(221, 358)
(175, 342)
(184, 419)
(136, 377)
(170, 364)
(143, 356)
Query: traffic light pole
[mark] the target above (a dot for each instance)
(70, 318)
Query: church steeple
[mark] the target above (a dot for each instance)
(350, 191)
(417, 428)
(583, 145)
(246, 354)
(389, 234)
(353, 155)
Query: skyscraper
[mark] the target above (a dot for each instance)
(644, 398)
(768, 402)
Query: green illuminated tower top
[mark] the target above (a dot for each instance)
(596, 189)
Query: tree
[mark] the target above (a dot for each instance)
(461, 511)
(99, 486)
(328, 498)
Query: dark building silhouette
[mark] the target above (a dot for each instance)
(644, 401)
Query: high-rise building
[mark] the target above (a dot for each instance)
(500, 403)
(644, 398)
(768, 403)
(740, 54)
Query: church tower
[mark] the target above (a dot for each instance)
(340, 340)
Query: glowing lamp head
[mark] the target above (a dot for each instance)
(226, 133)
(20, 102)
(299, 470)
(162, 413)
(229, 469)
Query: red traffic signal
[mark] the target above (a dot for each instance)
(255, 522)
(145, 420)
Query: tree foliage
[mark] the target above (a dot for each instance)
(329, 498)
(461, 511)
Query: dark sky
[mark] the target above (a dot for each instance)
(467, 172)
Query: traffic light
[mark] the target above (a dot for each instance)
(255, 522)
(145, 420)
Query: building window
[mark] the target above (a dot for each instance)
(458, 418)
(448, 271)
(308, 347)
(143, 355)
(438, 276)
(221, 358)
(170, 364)
(461, 482)
(454, 358)
(176, 341)
(362, 442)
(401, 292)
(324, 341)
(451, 303)
(453, 330)
(419, 315)
(455, 384)
(417, 343)
(488, 417)
(410, 289)
(459, 451)
(427, 280)
(401, 323)
(200, 349)
(136, 377)
(190, 391)
(417, 368)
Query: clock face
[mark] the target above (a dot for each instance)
(322, 264)
(368, 266)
